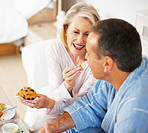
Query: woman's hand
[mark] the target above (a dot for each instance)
(42, 101)
(69, 75)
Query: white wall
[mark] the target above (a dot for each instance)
(124, 9)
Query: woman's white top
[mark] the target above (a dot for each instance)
(58, 59)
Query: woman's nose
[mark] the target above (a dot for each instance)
(80, 38)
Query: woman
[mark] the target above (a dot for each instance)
(66, 80)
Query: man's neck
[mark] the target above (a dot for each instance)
(117, 78)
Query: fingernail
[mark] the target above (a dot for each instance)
(78, 72)
(78, 68)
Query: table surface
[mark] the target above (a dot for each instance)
(16, 119)
(4, 99)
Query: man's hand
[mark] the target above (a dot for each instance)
(62, 123)
(48, 128)
(42, 130)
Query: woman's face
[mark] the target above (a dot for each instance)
(77, 33)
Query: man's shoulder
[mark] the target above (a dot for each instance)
(136, 96)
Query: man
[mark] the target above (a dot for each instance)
(114, 54)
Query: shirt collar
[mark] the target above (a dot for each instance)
(131, 79)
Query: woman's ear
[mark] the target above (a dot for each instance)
(65, 28)
(108, 63)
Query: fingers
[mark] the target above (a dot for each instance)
(67, 69)
(31, 103)
(73, 77)
(42, 130)
(37, 103)
(70, 81)
(47, 128)
(69, 75)
(70, 71)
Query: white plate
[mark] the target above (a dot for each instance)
(8, 114)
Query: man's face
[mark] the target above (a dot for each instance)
(94, 62)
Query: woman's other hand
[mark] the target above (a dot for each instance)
(41, 101)
(69, 75)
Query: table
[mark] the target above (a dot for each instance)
(16, 119)
(4, 99)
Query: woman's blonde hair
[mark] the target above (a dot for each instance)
(81, 9)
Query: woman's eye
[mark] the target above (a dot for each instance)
(76, 32)
(86, 34)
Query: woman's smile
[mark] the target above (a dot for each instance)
(77, 33)
(78, 46)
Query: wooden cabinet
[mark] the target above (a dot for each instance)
(8, 48)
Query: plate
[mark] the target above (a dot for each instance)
(18, 121)
(8, 114)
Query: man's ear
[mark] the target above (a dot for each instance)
(108, 63)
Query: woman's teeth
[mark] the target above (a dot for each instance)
(78, 46)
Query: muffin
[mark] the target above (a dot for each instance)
(1, 113)
(81, 68)
(2, 106)
(26, 93)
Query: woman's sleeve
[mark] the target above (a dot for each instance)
(56, 85)
(87, 85)
(59, 105)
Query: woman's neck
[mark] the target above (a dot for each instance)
(77, 58)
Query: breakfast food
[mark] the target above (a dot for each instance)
(26, 93)
(2, 107)
(13, 129)
(79, 65)
(1, 113)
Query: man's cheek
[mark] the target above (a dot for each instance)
(90, 63)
